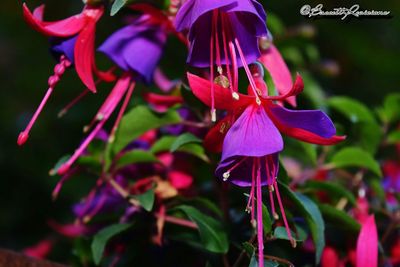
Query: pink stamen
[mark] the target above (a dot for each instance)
(234, 67)
(213, 112)
(260, 234)
(226, 52)
(246, 68)
(59, 70)
(227, 173)
(217, 48)
(73, 103)
(292, 241)
(270, 183)
(121, 112)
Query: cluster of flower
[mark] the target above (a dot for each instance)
(223, 37)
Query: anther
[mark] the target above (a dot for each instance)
(271, 188)
(293, 242)
(219, 70)
(258, 101)
(226, 176)
(253, 223)
(235, 96)
(100, 116)
(213, 115)
(276, 216)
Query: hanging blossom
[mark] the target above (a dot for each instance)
(250, 139)
(136, 49)
(223, 34)
(72, 43)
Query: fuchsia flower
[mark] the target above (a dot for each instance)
(136, 49)
(223, 33)
(72, 43)
(367, 244)
(252, 140)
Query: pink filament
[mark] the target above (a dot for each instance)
(246, 68)
(224, 25)
(59, 70)
(283, 213)
(212, 67)
(122, 110)
(260, 234)
(73, 103)
(237, 164)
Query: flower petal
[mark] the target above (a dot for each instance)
(62, 28)
(201, 88)
(367, 244)
(330, 257)
(180, 180)
(215, 136)
(276, 66)
(311, 126)
(253, 135)
(84, 55)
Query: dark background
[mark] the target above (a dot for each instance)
(366, 50)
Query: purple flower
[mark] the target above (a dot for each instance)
(208, 20)
(136, 48)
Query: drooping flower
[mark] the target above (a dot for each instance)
(82, 26)
(252, 139)
(72, 43)
(223, 33)
(136, 49)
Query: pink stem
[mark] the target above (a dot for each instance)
(260, 237)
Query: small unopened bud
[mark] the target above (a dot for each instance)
(225, 176)
(235, 96)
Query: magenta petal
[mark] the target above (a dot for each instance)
(367, 244)
(314, 121)
(279, 71)
(252, 135)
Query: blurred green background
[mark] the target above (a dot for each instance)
(366, 52)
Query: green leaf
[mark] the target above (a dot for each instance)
(146, 199)
(136, 156)
(368, 136)
(138, 121)
(163, 144)
(339, 218)
(393, 137)
(312, 216)
(355, 157)
(332, 188)
(101, 238)
(195, 150)
(249, 248)
(275, 24)
(267, 222)
(391, 108)
(280, 233)
(267, 263)
(354, 110)
(184, 139)
(117, 5)
(59, 163)
(212, 233)
(313, 90)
